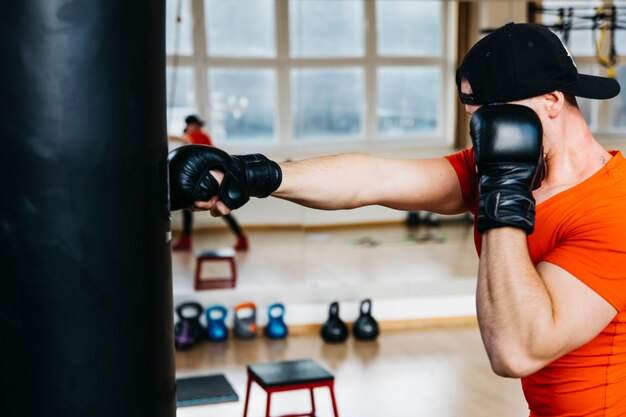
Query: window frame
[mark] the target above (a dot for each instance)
(282, 63)
(600, 121)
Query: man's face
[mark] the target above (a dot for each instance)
(466, 88)
(193, 127)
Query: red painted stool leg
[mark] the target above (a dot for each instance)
(312, 402)
(332, 396)
(267, 407)
(245, 407)
(233, 272)
(196, 278)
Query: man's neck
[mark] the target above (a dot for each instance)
(572, 155)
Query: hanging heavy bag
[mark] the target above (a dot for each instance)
(365, 327)
(276, 327)
(188, 331)
(245, 321)
(334, 330)
(216, 323)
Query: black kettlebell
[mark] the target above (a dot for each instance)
(188, 331)
(334, 330)
(365, 327)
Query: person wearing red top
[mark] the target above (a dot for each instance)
(550, 215)
(195, 134)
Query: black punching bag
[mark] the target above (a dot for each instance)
(85, 269)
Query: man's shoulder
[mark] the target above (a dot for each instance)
(200, 137)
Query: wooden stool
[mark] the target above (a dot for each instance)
(216, 255)
(290, 376)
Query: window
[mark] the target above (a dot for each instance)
(409, 28)
(603, 116)
(617, 113)
(243, 103)
(579, 42)
(241, 28)
(327, 102)
(181, 96)
(617, 119)
(178, 28)
(294, 73)
(405, 102)
(320, 28)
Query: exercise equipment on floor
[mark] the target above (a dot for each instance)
(216, 323)
(289, 376)
(245, 321)
(334, 330)
(365, 327)
(209, 389)
(188, 331)
(226, 255)
(276, 327)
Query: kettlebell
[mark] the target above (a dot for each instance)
(188, 331)
(276, 327)
(334, 330)
(365, 327)
(216, 323)
(245, 326)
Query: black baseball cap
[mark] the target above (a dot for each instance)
(524, 60)
(193, 119)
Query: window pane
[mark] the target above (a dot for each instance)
(620, 35)
(322, 28)
(243, 103)
(618, 104)
(409, 28)
(178, 35)
(408, 99)
(580, 41)
(242, 28)
(584, 104)
(181, 97)
(326, 102)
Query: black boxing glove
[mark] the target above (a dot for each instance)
(508, 151)
(245, 176)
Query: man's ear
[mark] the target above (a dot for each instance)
(553, 103)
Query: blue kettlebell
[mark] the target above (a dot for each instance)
(216, 323)
(276, 327)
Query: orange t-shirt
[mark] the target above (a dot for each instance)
(582, 230)
(200, 138)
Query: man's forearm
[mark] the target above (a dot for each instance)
(329, 182)
(515, 311)
(353, 180)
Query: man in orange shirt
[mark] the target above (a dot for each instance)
(195, 134)
(550, 215)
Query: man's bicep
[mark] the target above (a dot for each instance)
(423, 184)
(579, 312)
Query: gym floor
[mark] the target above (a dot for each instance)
(439, 372)
(426, 373)
(302, 266)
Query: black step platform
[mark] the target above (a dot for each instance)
(208, 389)
(289, 373)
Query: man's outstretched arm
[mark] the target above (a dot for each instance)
(354, 180)
(330, 183)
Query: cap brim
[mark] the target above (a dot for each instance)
(591, 86)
